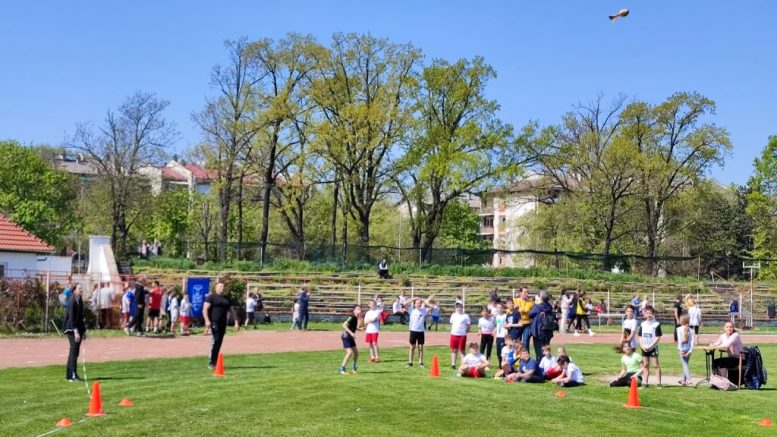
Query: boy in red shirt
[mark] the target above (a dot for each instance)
(154, 306)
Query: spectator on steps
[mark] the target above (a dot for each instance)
(383, 269)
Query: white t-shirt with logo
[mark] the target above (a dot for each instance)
(486, 325)
(373, 327)
(501, 331)
(460, 323)
(649, 330)
(418, 319)
(631, 325)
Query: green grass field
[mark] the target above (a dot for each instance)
(295, 393)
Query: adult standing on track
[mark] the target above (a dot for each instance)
(75, 328)
(304, 315)
(542, 325)
(215, 310)
(140, 306)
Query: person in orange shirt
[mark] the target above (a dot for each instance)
(523, 304)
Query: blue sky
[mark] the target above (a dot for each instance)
(68, 62)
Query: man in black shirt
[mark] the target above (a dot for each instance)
(75, 328)
(140, 306)
(215, 310)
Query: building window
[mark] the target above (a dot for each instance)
(488, 222)
(2, 270)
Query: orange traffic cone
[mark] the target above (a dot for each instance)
(765, 422)
(125, 403)
(219, 366)
(633, 401)
(95, 403)
(64, 423)
(435, 372)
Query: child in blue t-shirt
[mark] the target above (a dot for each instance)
(436, 313)
(528, 370)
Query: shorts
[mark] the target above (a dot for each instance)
(173, 316)
(153, 313)
(348, 340)
(435, 319)
(371, 337)
(417, 338)
(185, 320)
(251, 317)
(458, 342)
(651, 353)
(695, 329)
(552, 373)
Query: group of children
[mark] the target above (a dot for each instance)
(174, 306)
(509, 329)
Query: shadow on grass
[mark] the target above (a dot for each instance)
(250, 367)
(114, 378)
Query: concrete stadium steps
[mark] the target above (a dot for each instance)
(336, 293)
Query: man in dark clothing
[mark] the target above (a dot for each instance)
(75, 328)
(542, 324)
(215, 310)
(140, 306)
(304, 315)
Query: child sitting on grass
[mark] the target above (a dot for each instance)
(631, 366)
(548, 363)
(528, 370)
(508, 358)
(474, 364)
(571, 375)
(556, 369)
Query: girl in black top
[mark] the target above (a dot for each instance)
(350, 326)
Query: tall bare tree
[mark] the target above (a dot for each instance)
(134, 136)
(229, 125)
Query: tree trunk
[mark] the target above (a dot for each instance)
(224, 200)
(240, 216)
(269, 180)
(334, 215)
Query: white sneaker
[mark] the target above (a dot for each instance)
(591, 333)
(577, 334)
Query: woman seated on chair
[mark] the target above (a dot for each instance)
(732, 343)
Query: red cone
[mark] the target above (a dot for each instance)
(633, 401)
(96, 402)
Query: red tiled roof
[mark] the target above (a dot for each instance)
(13, 238)
(201, 174)
(169, 174)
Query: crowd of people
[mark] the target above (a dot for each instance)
(511, 326)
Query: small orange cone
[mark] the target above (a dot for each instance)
(64, 423)
(633, 401)
(561, 394)
(125, 403)
(765, 422)
(435, 372)
(95, 403)
(219, 366)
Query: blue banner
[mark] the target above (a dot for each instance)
(197, 289)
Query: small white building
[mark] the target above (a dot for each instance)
(177, 175)
(20, 251)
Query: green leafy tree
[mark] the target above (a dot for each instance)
(36, 196)
(676, 148)
(363, 89)
(762, 207)
(460, 228)
(460, 146)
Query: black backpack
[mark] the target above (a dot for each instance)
(548, 322)
(754, 370)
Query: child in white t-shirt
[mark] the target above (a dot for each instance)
(295, 315)
(629, 328)
(174, 311)
(474, 364)
(509, 356)
(486, 327)
(500, 332)
(460, 323)
(372, 320)
(548, 361)
(571, 375)
(649, 335)
(185, 314)
(685, 341)
(417, 325)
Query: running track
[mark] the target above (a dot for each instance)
(44, 352)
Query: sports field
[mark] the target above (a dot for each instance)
(302, 393)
